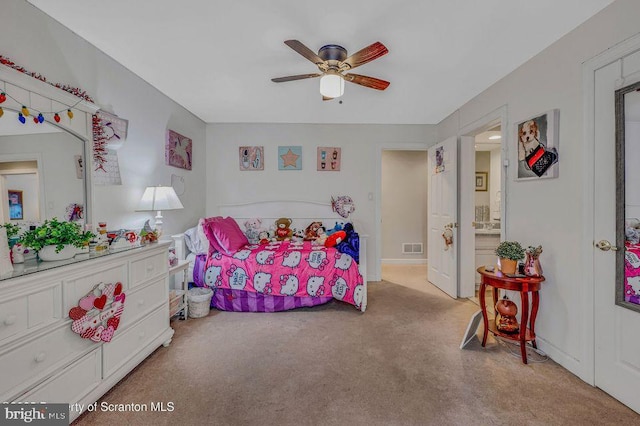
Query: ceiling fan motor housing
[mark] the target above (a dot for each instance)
(332, 52)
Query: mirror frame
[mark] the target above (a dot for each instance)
(41, 96)
(620, 194)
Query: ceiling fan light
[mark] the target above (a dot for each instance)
(332, 85)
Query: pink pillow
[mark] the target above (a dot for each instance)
(204, 223)
(225, 235)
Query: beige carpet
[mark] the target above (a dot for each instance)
(397, 364)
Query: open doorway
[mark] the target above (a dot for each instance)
(403, 214)
(488, 197)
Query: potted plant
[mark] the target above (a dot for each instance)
(55, 240)
(12, 232)
(509, 252)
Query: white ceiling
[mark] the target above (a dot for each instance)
(216, 58)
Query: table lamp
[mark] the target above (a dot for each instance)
(158, 198)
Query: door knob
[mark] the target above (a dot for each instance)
(605, 245)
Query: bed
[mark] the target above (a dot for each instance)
(279, 275)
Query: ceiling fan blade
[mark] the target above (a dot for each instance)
(295, 77)
(363, 80)
(325, 98)
(304, 51)
(365, 55)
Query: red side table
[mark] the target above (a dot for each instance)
(524, 285)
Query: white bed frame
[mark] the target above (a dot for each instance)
(302, 213)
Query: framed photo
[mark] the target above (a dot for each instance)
(329, 158)
(289, 158)
(481, 181)
(178, 150)
(15, 205)
(537, 146)
(251, 158)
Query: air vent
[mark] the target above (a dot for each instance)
(412, 248)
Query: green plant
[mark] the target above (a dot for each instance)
(510, 250)
(12, 229)
(54, 232)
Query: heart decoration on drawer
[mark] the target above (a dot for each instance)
(97, 315)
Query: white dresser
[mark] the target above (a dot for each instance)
(43, 360)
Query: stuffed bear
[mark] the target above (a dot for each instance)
(283, 230)
(252, 230)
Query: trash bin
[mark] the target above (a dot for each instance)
(199, 300)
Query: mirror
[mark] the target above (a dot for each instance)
(627, 101)
(41, 173)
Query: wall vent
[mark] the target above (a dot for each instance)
(412, 248)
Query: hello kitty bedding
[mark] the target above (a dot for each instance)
(632, 273)
(279, 276)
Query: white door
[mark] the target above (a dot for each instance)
(616, 329)
(442, 211)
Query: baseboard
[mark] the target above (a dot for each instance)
(403, 261)
(564, 359)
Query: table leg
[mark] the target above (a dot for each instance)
(535, 302)
(483, 307)
(524, 321)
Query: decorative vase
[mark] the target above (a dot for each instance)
(532, 267)
(508, 266)
(506, 321)
(48, 253)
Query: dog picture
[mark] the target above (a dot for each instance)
(528, 139)
(537, 140)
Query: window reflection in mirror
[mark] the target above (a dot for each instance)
(628, 196)
(42, 162)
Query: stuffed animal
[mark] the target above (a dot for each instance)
(311, 233)
(283, 230)
(337, 227)
(298, 235)
(351, 244)
(335, 238)
(263, 237)
(322, 236)
(252, 230)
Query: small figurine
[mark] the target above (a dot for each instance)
(17, 253)
(506, 316)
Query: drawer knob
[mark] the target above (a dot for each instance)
(10, 320)
(140, 302)
(150, 267)
(141, 335)
(40, 357)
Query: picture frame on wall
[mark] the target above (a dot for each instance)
(329, 158)
(178, 150)
(481, 181)
(251, 158)
(289, 158)
(15, 205)
(537, 146)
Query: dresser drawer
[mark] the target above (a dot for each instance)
(30, 311)
(129, 343)
(147, 268)
(73, 383)
(143, 300)
(25, 365)
(77, 287)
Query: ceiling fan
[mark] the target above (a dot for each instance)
(332, 61)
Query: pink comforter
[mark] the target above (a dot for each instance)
(288, 269)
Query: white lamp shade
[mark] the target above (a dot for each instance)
(331, 85)
(159, 198)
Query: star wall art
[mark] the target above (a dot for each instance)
(289, 158)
